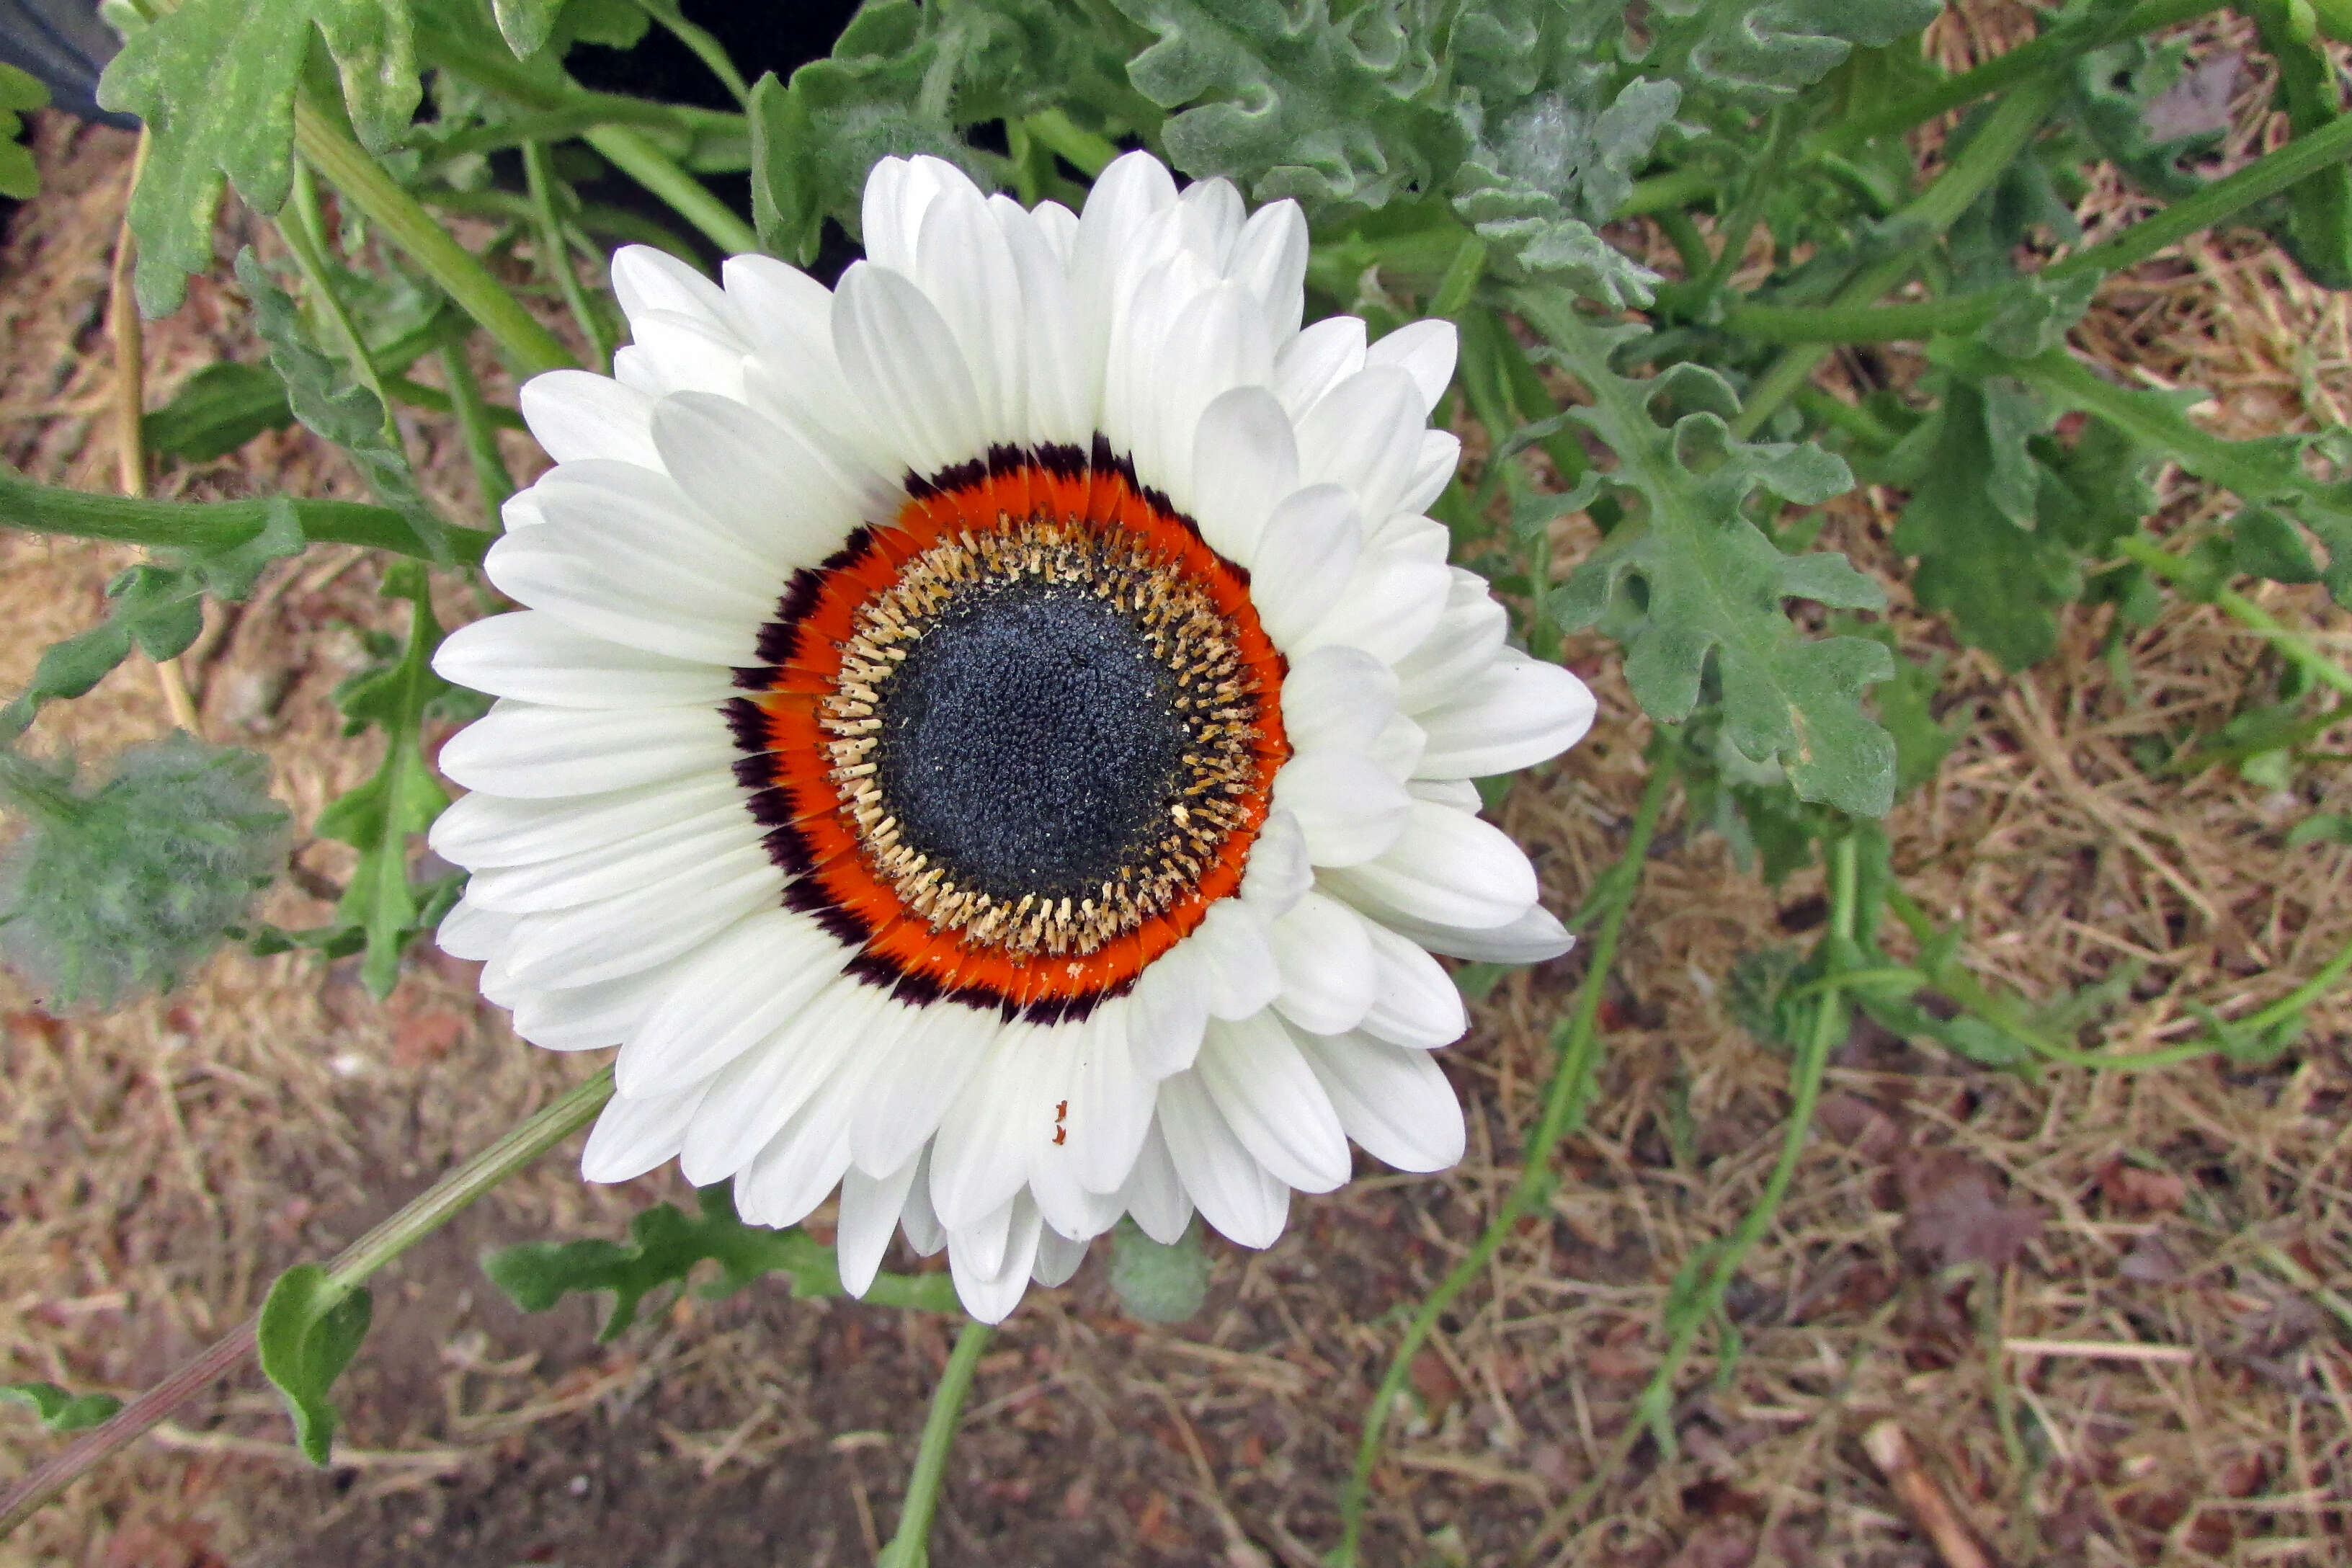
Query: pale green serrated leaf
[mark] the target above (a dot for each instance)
(1342, 111)
(214, 80)
(325, 398)
(402, 798)
(1754, 53)
(1694, 581)
(309, 1330)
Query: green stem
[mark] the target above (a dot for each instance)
(303, 244)
(346, 166)
(432, 1209)
(707, 49)
(1806, 1072)
(433, 400)
(910, 1544)
(214, 525)
(2264, 177)
(558, 125)
(1749, 212)
(1578, 1041)
(630, 151)
(555, 256)
(481, 435)
(1082, 149)
(2292, 645)
(2004, 134)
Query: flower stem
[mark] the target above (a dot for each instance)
(630, 151)
(427, 1213)
(481, 435)
(555, 254)
(910, 1544)
(1578, 1040)
(2291, 645)
(2005, 134)
(214, 525)
(331, 150)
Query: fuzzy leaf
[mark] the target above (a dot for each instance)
(402, 797)
(1694, 583)
(309, 1331)
(61, 1412)
(1756, 53)
(324, 397)
(1158, 1284)
(1287, 100)
(663, 1249)
(215, 81)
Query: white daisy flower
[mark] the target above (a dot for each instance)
(996, 737)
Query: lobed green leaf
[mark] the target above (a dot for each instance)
(309, 1330)
(61, 1412)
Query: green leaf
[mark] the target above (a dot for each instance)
(214, 80)
(1157, 1283)
(2318, 227)
(19, 178)
(2321, 827)
(663, 1249)
(1753, 54)
(309, 1330)
(2264, 544)
(221, 409)
(61, 1412)
(526, 24)
(1288, 100)
(402, 798)
(1694, 584)
(324, 397)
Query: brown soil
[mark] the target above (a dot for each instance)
(2186, 1234)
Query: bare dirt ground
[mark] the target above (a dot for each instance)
(2173, 1248)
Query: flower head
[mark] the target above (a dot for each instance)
(995, 737)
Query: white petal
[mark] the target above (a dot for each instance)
(1216, 344)
(575, 415)
(1122, 202)
(490, 830)
(1270, 258)
(1064, 383)
(1172, 1008)
(870, 1212)
(1058, 1257)
(1518, 710)
(1423, 350)
(1416, 1003)
(1468, 634)
(1337, 698)
(990, 1297)
(585, 875)
(1348, 805)
(645, 278)
(1234, 1192)
(1305, 561)
(1240, 959)
(1534, 937)
(754, 1095)
(1319, 358)
(1059, 224)
(633, 1136)
(1268, 1096)
(1435, 463)
(1396, 750)
(924, 1232)
(805, 1161)
(899, 192)
(901, 359)
(1330, 975)
(1447, 869)
(521, 749)
(1280, 871)
(1110, 1101)
(965, 265)
(589, 1017)
(924, 1060)
(470, 931)
(1365, 434)
(642, 928)
(1388, 605)
(1153, 1193)
(757, 478)
(1210, 214)
(676, 351)
(1244, 459)
(981, 1155)
(1393, 1101)
(532, 655)
(737, 991)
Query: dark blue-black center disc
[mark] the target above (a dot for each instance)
(1030, 743)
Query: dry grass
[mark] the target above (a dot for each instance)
(2174, 1244)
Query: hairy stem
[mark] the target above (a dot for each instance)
(330, 149)
(1578, 1042)
(214, 525)
(427, 1213)
(634, 154)
(2291, 645)
(910, 1544)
